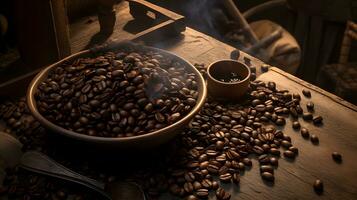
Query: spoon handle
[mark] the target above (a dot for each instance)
(42, 164)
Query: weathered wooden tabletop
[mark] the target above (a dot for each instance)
(293, 180)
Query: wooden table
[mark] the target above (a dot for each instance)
(293, 180)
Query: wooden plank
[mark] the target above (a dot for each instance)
(61, 27)
(36, 38)
(293, 179)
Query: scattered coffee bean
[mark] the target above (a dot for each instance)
(305, 133)
(296, 125)
(274, 161)
(227, 177)
(236, 178)
(317, 120)
(294, 149)
(268, 176)
(215, 185)
(264, 68)
(306, 93)
(289, 154)
(191, 197)
(266, 168)
(314, 139)
(307, 116)
(253, 76)
(202, 193)
(310, 105)
(221, 194)
(336, 156)
(318, 186)
(286, 144)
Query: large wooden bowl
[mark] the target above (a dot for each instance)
(151, 139)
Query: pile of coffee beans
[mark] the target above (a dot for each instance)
(214, 150)
(118, 94)
(221, 140)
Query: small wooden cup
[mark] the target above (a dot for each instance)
(227, 90)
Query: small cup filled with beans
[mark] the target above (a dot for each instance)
(228, 79)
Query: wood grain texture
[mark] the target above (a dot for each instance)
(294, 180)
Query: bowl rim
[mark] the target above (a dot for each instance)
(228, 83)
(31, 102)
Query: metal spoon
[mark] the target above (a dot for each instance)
(117, 190)
(10, 152)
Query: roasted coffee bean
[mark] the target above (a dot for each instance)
(227, 177)
(296, 125)
(285, 144)
(197, 185)
(274, 161)
(264, 68)
(318, 186)
(275, 151)
(268, 176)
(202, 193)
(336, 156)
(206, 183)
(317, 120)
(263, 159)
(306, 93)
(307, 116)
(189, 177)
(188, 187)
(305, 133)
(258, 150)
(247, 162)
(192, 197)
(310, 105)
(280, 122)
(314, 139)
(219, 145)
(221, 194)
(266, 168)
(289, 154)
(215, 185)
(294, 149)
(213, 169)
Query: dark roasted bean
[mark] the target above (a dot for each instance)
(289, 154)
(314, 139)
(306, 93)
(296, 125)
(202, 193)
(305, 133)
(307, 116)
(221, 194)
(310, 105)
(191, 197)
(266, 168)
(318, 186)
(317, 120)
(294, 149)
(274, 161)
(227, 177)
(336, 156)
(267, 176)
